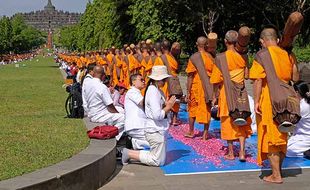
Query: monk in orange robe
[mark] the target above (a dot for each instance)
(133, 63)
(174, 66)
(145, 58)
(272, 143)
(197, 107)
(236, 67)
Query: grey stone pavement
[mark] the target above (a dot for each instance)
(137, 176)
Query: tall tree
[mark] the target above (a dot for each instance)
(6, 34)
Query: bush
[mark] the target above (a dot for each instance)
(302, 54)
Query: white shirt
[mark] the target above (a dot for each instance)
(87, 79)
(115, 96)
(156, 120)
(97, 98)
(303, 126)
(134, 114)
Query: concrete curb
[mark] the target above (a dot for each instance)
(90, 169)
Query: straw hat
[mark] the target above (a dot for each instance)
(159, 72)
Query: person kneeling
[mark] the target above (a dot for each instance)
(156, 110)
(134, 114)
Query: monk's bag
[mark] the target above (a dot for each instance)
(236, 94)
(103, 132)
(284, 99)
(174, 85)
(197, 61)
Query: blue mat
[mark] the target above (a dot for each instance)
(184, 160)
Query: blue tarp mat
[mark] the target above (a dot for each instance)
(182, 159)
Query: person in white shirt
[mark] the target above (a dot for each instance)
(99, 103)
(134, 113)
(300, 141)
(156, 108)
(84, 82)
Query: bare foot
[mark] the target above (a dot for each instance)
(272, 179)
(189, 135)
(242, 156)
(229, 157)
(204, 136)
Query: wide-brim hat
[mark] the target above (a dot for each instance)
(159, 72)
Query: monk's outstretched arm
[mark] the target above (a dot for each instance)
(189, 83)
(257, 93)
(216, 93)
(295, 74)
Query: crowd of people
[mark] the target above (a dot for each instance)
(15, 58)
(129, 88)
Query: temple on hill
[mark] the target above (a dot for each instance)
(49, 19)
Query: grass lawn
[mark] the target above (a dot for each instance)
(33, 131)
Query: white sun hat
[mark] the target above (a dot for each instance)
(159, 72)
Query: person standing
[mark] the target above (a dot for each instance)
(236, 72)
(272, 143)
(198, 109)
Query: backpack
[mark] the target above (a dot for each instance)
(74, 102)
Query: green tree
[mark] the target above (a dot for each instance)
(107, 28)
(69, 37)
(146, 19)
(6, 34)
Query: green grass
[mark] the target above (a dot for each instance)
(33, 131)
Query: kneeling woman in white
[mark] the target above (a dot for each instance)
(156, 110)
(300, 141)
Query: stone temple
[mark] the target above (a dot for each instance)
(49, 19)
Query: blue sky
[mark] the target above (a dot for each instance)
(10, 7)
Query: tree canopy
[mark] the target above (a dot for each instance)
(18, 37)
(116, 22)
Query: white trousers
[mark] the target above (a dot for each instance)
(138, 139)
(115, 119)
(297, 145)
(156, 156)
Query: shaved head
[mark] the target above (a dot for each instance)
(202, 41)
(269, 34)
(157, 46)
(165, 45)
(98, 70)
(231, 36)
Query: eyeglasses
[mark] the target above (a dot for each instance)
(141, 79)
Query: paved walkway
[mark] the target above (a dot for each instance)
(140, 177)
(137, 176)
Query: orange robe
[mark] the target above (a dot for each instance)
(197, 107)
(133, 64)
(236, 67)
(109, 57)
(174, 67)
(125, 71)
(269, 138)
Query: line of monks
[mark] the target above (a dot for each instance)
(119, 64)
(140, 58)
